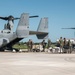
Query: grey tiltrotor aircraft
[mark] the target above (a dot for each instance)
(8, 38)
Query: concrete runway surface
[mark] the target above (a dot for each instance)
(36, 64)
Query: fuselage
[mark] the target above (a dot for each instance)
(6, 36)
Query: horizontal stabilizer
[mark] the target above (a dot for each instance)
(40, 35)
(37, 33)
(42, 31)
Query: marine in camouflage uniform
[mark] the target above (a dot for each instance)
(30, 45)
(70, 46)
(61, 44)
(49, 43)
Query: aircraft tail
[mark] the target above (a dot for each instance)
(23, 26)
(43, 28)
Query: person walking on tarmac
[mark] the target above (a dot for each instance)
(61, 44)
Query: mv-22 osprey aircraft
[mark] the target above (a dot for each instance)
(8, 38)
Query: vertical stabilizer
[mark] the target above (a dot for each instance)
(23, 26)
(43, 27)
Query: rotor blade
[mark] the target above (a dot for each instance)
(16, 18)
(29, 17)
(33, 16)
(68, 28)
(6, 18)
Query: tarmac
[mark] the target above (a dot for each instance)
(36, 63)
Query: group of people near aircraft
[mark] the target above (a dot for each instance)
(41, 47)
(65, 45)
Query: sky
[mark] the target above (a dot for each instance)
(60, 13)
